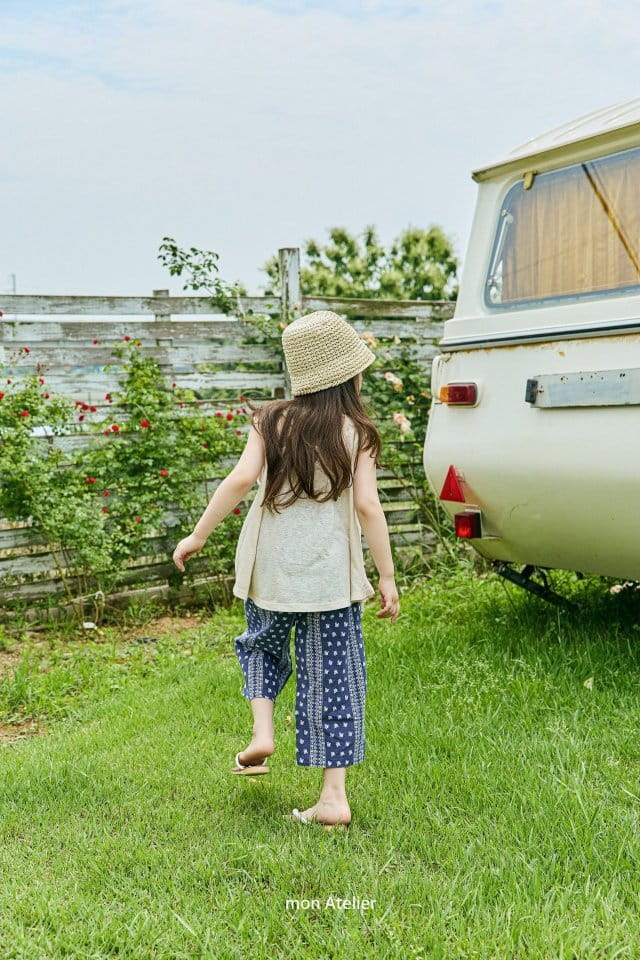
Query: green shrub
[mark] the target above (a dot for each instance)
(131, 493)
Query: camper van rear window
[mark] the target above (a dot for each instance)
(574, 232)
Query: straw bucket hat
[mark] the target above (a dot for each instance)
(322, 350)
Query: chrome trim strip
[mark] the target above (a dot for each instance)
(478, 343)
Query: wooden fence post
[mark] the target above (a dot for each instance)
(289, 269)
(162, 341)
(161, 316)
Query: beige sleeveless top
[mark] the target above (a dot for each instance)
(309, 556)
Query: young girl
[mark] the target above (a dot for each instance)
(299, 561)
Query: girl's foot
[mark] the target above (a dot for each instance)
(330, 811)
(257, 752)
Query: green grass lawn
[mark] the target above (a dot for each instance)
(497, 814)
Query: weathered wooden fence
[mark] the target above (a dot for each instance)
(213, 354)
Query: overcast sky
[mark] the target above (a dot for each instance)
(247, 125)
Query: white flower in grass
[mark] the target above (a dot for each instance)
(403, 422)
(617, 587)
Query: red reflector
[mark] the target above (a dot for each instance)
(468, 525)
(451, 489)
(459, 393)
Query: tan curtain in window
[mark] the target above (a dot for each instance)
(575, 231)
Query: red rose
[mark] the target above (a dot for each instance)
(237, 510)
(139, 519)
(218, 414)
(239, 431)
(81, 417)
(127, 338)
(46, 395)
(93, 409)
(106, 431)
(95, 341)
(115, 427)
(26, 349)
(1, 396)
(173, 384)
(145, 423)
(91, 479)
(24, 413)
(40, 379)
(164, 473)
(229, 416)
(107, 396)
(105, 509)
(1, 313)
(106, 493)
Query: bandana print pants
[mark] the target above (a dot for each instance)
(331, 679)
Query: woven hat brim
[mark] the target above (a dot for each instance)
(319, 379)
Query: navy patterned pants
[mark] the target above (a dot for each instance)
(331, 679)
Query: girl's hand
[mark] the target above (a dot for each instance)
(186, 548)
(390, 603)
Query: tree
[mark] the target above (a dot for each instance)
(419, 265)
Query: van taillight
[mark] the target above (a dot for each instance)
(468, 524)
(460, 394)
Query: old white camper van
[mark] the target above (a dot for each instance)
(533, 442)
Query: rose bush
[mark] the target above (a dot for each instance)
(124, 498)
(36, 488)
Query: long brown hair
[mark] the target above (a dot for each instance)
(298, 431)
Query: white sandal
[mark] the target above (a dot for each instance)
(299, 816)
(250, 771)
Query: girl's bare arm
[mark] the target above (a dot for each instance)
(234, 487)
(228, 494)
(374, 527)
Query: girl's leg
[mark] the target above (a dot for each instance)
(332, 806)
(262, 743)
(330, 702)
(263, 653)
